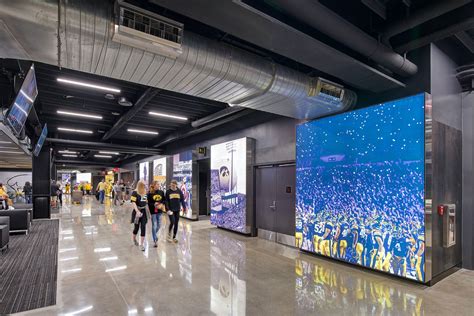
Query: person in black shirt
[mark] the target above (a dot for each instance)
(139, 213)
(28, 191)
(156, 205)
(174, 202)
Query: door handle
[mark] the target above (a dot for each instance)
(273, 206)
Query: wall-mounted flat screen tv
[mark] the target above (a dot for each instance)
(21, 107)
(360, 187)
(42, 138)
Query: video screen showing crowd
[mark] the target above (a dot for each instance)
(360, 187)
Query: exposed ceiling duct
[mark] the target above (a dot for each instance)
(81, 38)
(328, 22)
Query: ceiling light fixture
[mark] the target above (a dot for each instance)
(102, 156)
(72, 156)
(10, 152)
(73, 130)
(4, 142)
(109, 152)
(67, 152)
(88, 85)
(6, 147)
(97, 117)
(177, 117)
(132, 130)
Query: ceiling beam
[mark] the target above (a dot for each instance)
(436, 36)
(466, 40)
(143, 100)
(77, 144)
(377, 7)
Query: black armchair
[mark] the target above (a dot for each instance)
(4, 232)
(19, 219)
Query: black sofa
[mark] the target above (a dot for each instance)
(19, 219)
(4, 232)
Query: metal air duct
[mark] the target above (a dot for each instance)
(79, 35)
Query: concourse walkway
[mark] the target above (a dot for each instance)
(215, 272)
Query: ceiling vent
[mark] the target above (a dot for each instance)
(123, 101)
(148, 31)
(331, 93)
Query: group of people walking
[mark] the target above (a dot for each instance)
(155, 203)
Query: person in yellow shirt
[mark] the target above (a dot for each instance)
(3, 192)
(101, 189)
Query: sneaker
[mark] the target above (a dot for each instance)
(135, 242)
(155, 245)
(142, 248)
(175, 240)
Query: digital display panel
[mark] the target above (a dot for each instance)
(360, 187)
(42, 138)
(159, 172)
(229, 185)
(84, 177)
(23, 102)
(182, 172)
(143, 169)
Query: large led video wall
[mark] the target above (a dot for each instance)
(360, 187)
(229, 185)
(182, 172)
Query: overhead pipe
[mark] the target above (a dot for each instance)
(216, 116)
(328, 22)
(82, 40)
(421, 16)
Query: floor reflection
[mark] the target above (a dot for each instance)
(320, 288)
(228, 286)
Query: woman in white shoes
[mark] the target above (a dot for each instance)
(139, 213)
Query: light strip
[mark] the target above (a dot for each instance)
(132, 130)
(177, 117)
(72, 156)
(67, 152)
(98, 117)
(109, 152)
(4, 142)
(64, 129)
(10, 152)
(102, 156)
(116, 269)
(88, 85)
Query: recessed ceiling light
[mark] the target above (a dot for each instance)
(176, 117)
(115, 113)
(132, 130)
(102, 156)
(73, 130)
(67, 152)
(68, 155)
(11, 152)
(109, 152)
(88, 85)
(97, 117)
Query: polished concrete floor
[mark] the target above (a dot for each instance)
(215, 272)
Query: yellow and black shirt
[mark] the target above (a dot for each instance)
(157, 197)
(174, 200)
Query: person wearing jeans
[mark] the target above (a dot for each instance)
(156, 199)
(174, 202)
(101, 189)
(139, 214)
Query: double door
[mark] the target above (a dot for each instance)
(275, 202)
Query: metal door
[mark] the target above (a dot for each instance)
(285, 200)
(265, 202)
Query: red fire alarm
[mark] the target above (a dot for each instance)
(441, 209)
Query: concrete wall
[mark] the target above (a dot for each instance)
(275, 140)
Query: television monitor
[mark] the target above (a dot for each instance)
(42, 138)
(24, 100)
(360, 187)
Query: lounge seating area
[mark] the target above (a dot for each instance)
(4, 232)
(15, 219)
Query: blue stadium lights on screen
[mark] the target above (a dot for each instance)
(360, 187)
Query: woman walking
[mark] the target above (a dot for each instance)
(174, 202)
(139, 213)
(28, 191)
(156, 205)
